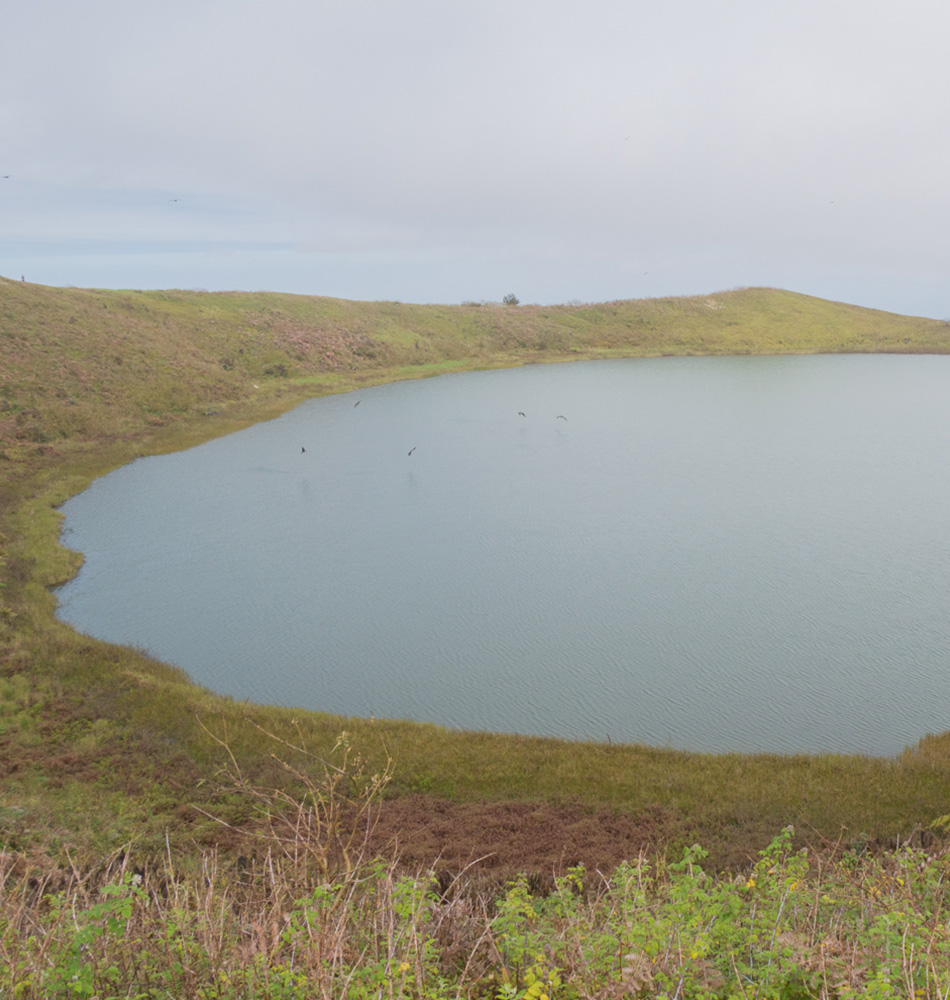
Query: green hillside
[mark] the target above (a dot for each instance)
(101, 746)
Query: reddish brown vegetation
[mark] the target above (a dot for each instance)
(510, 837)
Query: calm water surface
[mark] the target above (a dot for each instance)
(707, 553)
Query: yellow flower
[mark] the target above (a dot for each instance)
(750, 884)
(405, 967)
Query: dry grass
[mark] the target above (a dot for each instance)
(293, 921)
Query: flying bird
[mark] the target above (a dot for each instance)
(357, 403)
(412, 449)
(520, 413)
(302, 450)
(560, 417)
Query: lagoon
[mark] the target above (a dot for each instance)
(713, 554)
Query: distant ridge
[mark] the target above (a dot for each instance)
(81, 363)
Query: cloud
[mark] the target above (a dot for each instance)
(588, 144)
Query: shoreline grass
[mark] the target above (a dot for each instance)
(102, 745)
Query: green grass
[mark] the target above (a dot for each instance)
(101, 745)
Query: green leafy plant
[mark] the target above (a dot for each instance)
(88, 961)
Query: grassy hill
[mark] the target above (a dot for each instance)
(101, 746)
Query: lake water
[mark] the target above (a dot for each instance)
(704, 553)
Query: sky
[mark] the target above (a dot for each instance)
(438, 151)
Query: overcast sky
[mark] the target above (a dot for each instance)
(449, 151)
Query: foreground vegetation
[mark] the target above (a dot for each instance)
(318, 917)
(873, 927)
(102, 747)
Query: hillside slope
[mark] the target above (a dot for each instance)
(100, 744)
(88, 364)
